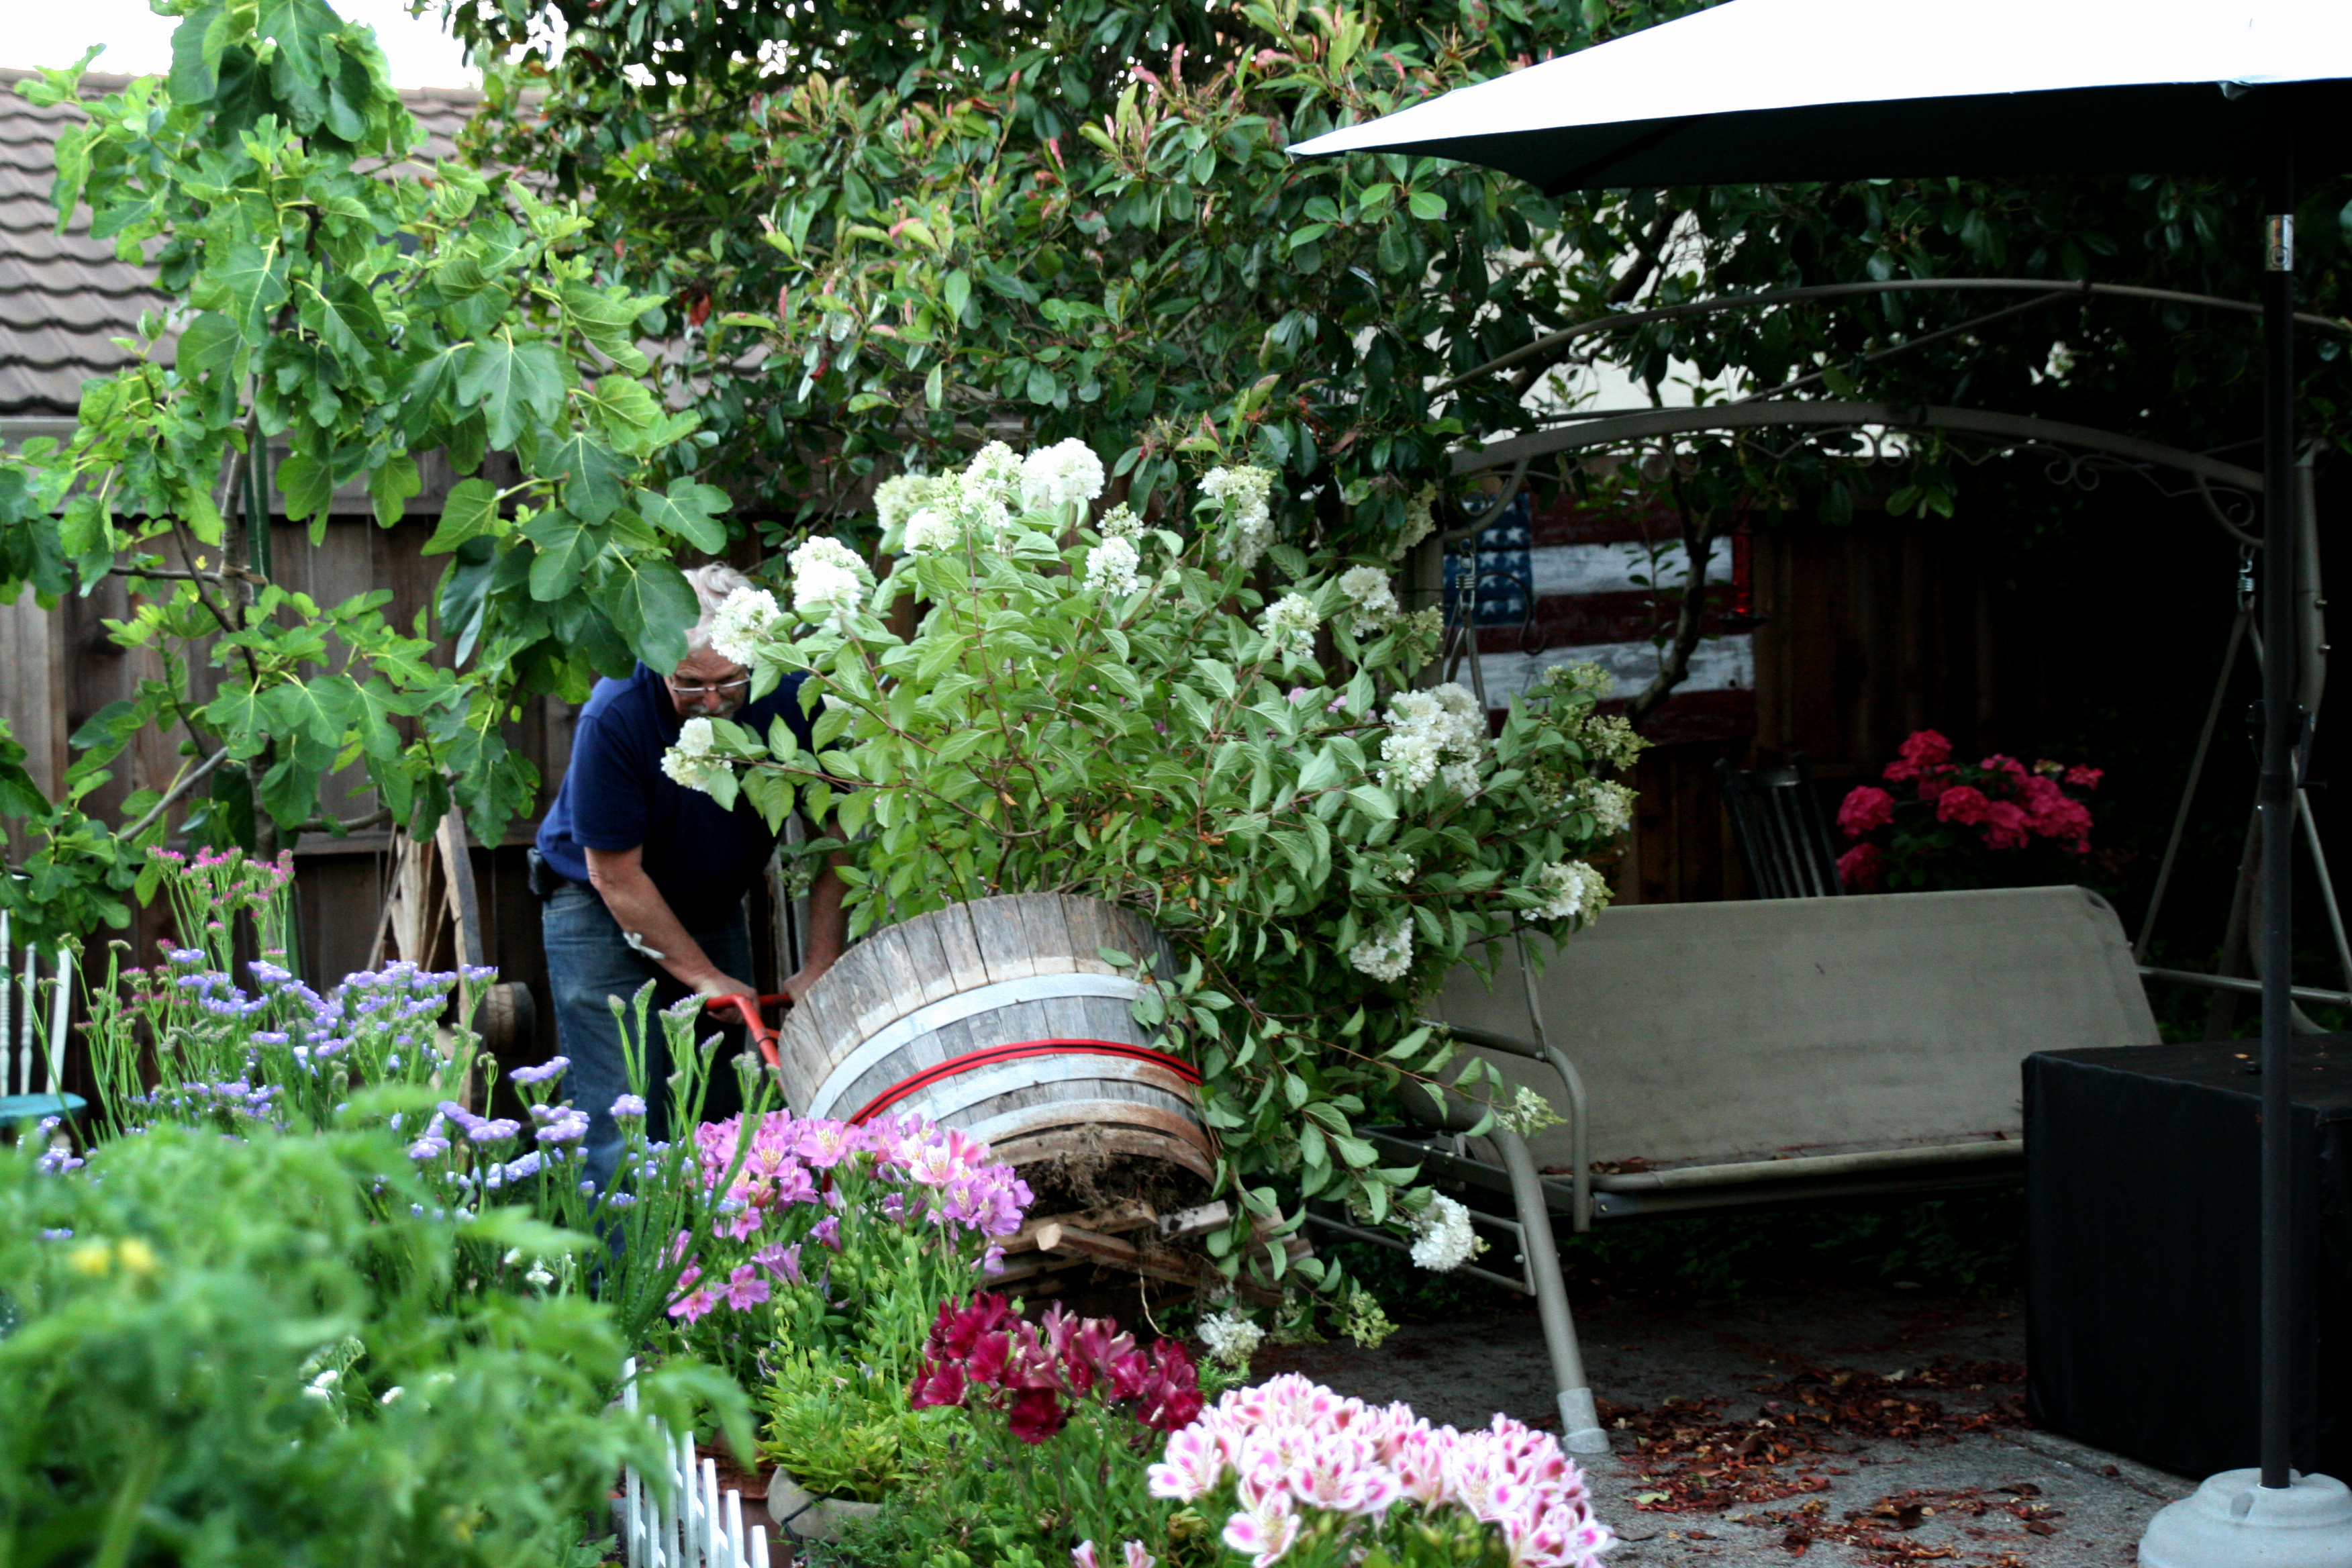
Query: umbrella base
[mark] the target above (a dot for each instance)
(2233, 1521)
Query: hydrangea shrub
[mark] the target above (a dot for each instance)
(1179, 714)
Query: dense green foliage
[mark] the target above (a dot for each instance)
(230, 1352)
(371, 318)
(1077, 217)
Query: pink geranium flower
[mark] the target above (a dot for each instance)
(1924, 752)
(1862, 868)
(1865, 810)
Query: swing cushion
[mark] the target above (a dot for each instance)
(1716, 1033)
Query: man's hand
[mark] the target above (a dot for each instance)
(619, 877)
(720, 985)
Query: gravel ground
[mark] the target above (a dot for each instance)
(1897, 1431)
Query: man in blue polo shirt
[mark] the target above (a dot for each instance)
(650, 877)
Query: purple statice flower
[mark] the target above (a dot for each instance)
(520, 1169)
(57, 1161)
(62, 1233)
(186, 957)
(272, 1037)
(745, 1289)
(431, 1146)
(617, 1200)
(550, 1069)
(569, 1127)
(267, 973)
(473, 974)
(628, 1107)
(492, 1132)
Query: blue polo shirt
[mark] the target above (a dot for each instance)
(614, 795)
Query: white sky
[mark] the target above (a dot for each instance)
(139, 43)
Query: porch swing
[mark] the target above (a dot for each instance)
(1711, 1057)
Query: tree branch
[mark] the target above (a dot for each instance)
(1674, 663)
(187, 782)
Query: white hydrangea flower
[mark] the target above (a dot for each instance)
(1528, 1113)
(1408, 758)
(1462, 729)
(696, 738)
(1111, 567)
(749, 617)
(692, 773)
(1612, 804)
(1120, 522)
(1062, 473)
(1444, 1240)
(1443, 724)
(1290, 623)
(1571, 888)
(1420, 521)
(1611, 741)
(1375, 602)
(1249, 515)
(1462, 779)
(994, 472)
(1385, 958)
(828, 580)
(897, 499)
(1580, 680)
(1230, 1338)
(932, 528)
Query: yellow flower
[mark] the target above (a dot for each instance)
(135, 1256)
(91, 1257)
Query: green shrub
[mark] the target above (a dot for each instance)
(250, 1352)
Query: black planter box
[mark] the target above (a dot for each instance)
(2142, 1239)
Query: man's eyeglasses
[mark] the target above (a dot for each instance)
(734, 688)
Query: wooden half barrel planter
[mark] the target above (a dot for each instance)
(1001, 1018)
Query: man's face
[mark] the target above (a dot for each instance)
(709, 685)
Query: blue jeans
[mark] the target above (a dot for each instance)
(588, 962)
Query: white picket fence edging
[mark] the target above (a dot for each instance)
(38, 1042)
(702, 1528)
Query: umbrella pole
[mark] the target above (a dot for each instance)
(2281, 733)
(2269, 1517)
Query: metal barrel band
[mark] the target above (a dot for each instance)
(988, 1056)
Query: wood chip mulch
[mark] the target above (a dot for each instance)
(1694, 1458)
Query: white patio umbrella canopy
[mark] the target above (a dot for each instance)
(1765, 91)
(1808, 89)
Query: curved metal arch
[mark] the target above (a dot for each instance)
(1609, 429)
(1569, 334)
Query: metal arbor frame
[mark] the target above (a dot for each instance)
(2079, 455)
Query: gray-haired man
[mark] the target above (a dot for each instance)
(645, 879)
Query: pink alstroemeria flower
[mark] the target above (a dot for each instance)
(1266, 1527)
(1190, 1469)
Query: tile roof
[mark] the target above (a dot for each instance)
(64, 297)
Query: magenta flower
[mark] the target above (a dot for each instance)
(745, 1289)
(1865, 809)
